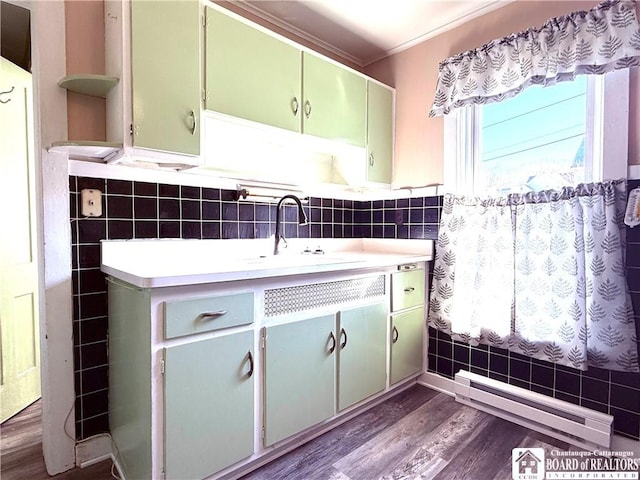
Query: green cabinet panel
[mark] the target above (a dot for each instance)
(250, 74)
(165, 71)
(130, 405)
(209, 415)
(407, 289)
(362, 357)
(379, 133)
(194, 315)
(299, 376)
(335, 102)
(406, 344)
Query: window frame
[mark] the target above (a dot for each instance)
(606, 141)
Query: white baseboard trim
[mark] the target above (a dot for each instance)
(93, 450)
(445, 385)
(436, 382)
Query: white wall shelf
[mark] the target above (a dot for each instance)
(88, 150)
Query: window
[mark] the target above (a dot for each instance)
(546, 137)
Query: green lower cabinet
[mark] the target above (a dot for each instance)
(209, 414)
(362, 357)
(406, 344)
(299, 376)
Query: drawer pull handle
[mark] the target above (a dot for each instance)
(409, 289)
(332, 337)
(394, 335)
(408, 266)
(211, 315)
(250, 373)
(343, 332)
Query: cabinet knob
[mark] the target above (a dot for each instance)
(307, 109)
(332, 337)
(295, 106)
(194, 122)
(409, 289)
(394, 335)
(343, 333)
(250, 372)
(372, 160)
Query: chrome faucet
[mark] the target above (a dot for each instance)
(302, 219)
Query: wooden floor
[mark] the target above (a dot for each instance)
(418, 434)
(21, 451)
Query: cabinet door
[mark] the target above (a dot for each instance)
(165, 64)
(334, 101)
(299, 376)
(379, 133)
(209, 422)
(406, 344)
(250, 74)
(362, 358)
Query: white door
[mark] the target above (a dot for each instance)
(19, 339)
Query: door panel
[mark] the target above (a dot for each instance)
(363, 359)
(250, 74)
(165, 46)
(336, 99)
(19, 337)
(379, 133)
(299, 376)
(209, 416)
(406, 344)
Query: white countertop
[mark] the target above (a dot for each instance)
(174, 262)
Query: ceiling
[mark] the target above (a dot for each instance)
(364, 31)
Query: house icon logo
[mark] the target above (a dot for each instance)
(527, 464)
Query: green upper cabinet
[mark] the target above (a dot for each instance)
(165, 64)
(334, 101)
(250, 74)
(362, 357)
(379, 133)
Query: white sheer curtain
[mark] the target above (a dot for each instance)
(541, 274)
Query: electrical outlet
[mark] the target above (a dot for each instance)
(91, 202)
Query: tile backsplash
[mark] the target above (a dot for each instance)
(150, 210)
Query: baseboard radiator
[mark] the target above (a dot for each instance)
(573, 424)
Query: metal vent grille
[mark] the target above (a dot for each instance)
(306, 297)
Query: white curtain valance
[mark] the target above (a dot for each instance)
(597, 41)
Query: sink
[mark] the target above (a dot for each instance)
(293, 260)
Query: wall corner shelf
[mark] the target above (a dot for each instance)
(89, 84)
(94, 151)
